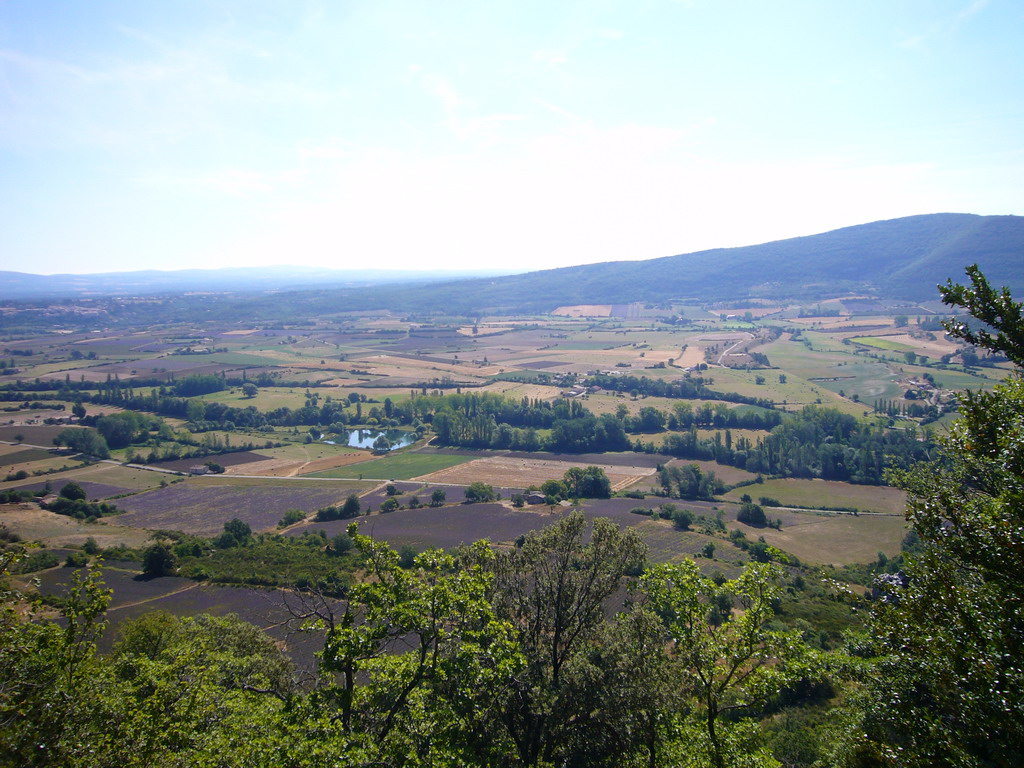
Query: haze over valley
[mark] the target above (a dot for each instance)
(522, 384)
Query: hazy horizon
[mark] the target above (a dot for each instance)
(398, 136)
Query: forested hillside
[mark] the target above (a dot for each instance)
(901, 259)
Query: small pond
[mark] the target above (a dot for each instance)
(365, 438)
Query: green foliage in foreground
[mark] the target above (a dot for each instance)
(948, 688)
(475, 658)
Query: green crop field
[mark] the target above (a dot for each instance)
(400, 466)
(267, 399)
(882, 343)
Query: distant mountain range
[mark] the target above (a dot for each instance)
(899, 258)
(23, 285)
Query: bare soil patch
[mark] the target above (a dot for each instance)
(584, 310)
(691, 356)
(522, 472)
(332, 462)
(35, 524)
(93, 491)
(837, 539)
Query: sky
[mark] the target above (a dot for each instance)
(491, 134)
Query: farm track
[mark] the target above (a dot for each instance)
(728, 350)
(160, 596)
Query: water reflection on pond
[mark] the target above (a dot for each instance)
(365, 438)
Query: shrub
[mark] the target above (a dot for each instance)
(479, 492)
(73, 491)
(291, 517)
(752, 514)
(35, 560)
(158, 560)
(406, 556)
(683, 519)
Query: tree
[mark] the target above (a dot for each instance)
(239, 529)
(49, 713)
(480, 492)
(122, 429)
(351, 506)
(553, 590)
(683, 519)
(437, 497)
(555, 490)
(73, 491)
(587, 483)
(195, 410)
(158, 560)
(996, 309)
(949, 632)
(291, 517)
(341, 543)
(389, 504)
(250, 390)
(411, 652)
(391, 489)
(83, 440)
(729, 666)
(752, 514)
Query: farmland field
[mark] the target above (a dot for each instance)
(837, 539)
(203, 507)
(826, 493)
(446, 527)
(399, 466)
(882, 343)
(35, 524)
(11, 455)
(524, 472)
(183, 597)
(344, 370)
(724, 472)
